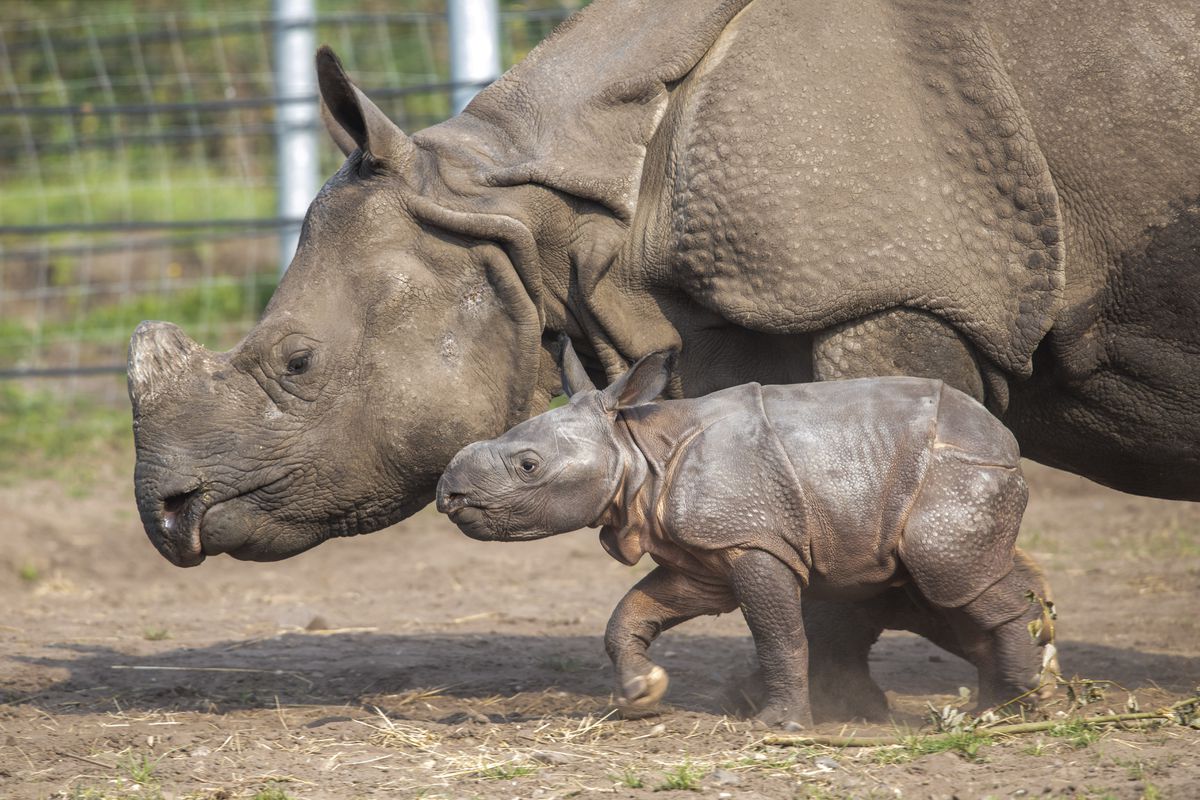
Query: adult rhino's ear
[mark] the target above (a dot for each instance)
(574, 377)
(353, 120)
(644, 381)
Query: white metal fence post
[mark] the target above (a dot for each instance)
(474, 47)
(295, 117)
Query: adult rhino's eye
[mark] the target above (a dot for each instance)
(298, 364)
(528, 466)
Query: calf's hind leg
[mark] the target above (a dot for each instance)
(959, 545)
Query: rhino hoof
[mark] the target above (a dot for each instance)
(642, 691)
(783, 718)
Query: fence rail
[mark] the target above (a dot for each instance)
(137, 164)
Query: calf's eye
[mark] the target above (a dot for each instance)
(528, 465)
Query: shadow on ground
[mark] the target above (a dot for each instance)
(372, 669)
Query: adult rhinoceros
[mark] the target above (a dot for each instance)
(1002, 195)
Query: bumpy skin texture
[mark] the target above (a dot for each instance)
(842, 491)
(1000, 195)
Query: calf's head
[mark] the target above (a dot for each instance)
(557, 472)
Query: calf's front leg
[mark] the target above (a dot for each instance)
(769, 594)
(659, 601)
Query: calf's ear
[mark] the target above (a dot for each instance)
(574, 377)
(644, 381)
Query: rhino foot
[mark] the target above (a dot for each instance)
(642, 691)
(790, 717)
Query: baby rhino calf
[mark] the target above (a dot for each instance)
(759, 496)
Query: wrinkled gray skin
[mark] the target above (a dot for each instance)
(1001, 195)
(755, 497)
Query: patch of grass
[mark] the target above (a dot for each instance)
(106, 189)
(156, 634)
(1151, 792)
(29, 573)
(1038, 748)
(92, 793)
(40, 431)
(139, 768)
(966, 744)
(684, 777)
(1077, 733)
(507, 772)
(209, 312)
(629, 779)
(271, 793)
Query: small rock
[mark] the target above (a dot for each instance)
(724, 777)
(475, 716)
(824, 762)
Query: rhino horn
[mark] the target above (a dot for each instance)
(353, 120)
(159, 353)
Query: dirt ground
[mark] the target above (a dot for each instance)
(418, 663)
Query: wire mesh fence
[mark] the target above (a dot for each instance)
(137, 162)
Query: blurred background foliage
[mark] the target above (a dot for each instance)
(137, 180)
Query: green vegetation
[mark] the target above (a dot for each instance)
(965, 743)
(271, 793)
(629, 779)
(29, 573)
(41, 430)
(684, 777)
(103, 189)
(139, 768)
(1078, 733)
(207, 312)
(156, 634)
(507, 772)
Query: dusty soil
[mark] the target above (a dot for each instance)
(418, 663)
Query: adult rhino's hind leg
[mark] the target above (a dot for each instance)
(840, 636)
(958, 544)
(898, 341)
(903, 341)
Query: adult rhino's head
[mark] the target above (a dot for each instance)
(401, 331)
(557, 472)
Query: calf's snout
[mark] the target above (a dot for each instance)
(455, 486)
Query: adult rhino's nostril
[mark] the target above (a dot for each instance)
(174, 506)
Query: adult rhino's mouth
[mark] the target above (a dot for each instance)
(177, 522)
(190, 525)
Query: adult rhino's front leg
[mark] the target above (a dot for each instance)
(659, 601)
